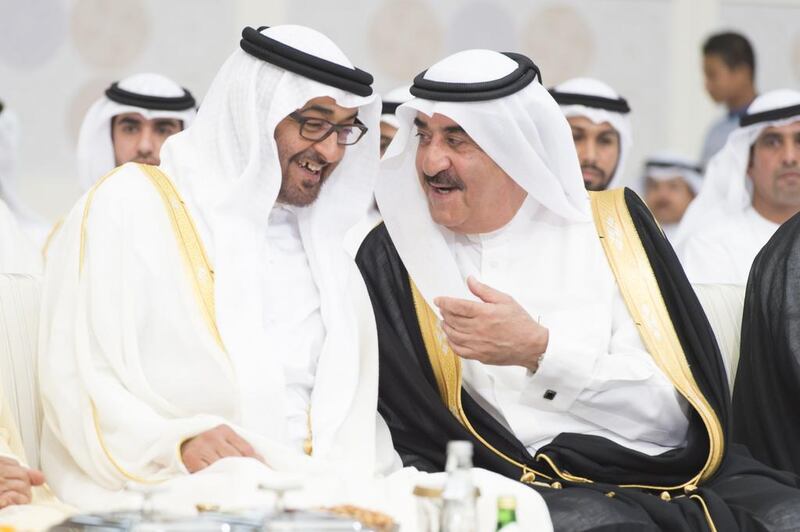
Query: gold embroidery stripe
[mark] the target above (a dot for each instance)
(639, 288)
(447, 371)
(53, 232)
(191, 247)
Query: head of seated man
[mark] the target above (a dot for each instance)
(311, 142)
(598, 147)
(668, 198)
(467, 192)
(138, 139)
(774, 170)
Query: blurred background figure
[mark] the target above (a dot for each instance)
(30, 223)
(389, 124)
(130, 122)
(671, 182)
(601, 129)
(729, 68)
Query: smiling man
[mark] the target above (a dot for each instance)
(751, 187)
(601, 128)
(207, 309)
(129, 123)
(552, 329)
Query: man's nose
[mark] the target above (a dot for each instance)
(330, 149)
(435, 160)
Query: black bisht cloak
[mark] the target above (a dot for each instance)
(766, 397)
(421, 424)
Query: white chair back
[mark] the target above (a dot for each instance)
(723, 305)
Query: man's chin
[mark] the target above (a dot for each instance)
(595, 186)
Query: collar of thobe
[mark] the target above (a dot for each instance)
(521, 128)
(150, 95)
(727, 190)
(598, 102)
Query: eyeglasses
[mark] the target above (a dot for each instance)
(317, 129)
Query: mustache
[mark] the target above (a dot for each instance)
(311, 155)
(594, 168)
(445, 179)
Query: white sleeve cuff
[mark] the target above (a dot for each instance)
(564, 372)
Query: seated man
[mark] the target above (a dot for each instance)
(129, 123)
(750, 188)
(670, 184)
(570, 361)
(601, 128)
(207, 308)
(766, 417)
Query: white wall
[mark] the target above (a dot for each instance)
(56, 56)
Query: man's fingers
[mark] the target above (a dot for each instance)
(12, 497)
(35, 477)
(485, 292)
(225, 450)
(14, 472)
(242, 446)
(458, 307)
(455, 336)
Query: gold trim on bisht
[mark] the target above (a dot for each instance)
(636, 280)
(639, 288)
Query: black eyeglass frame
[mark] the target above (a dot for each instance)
(301, 120)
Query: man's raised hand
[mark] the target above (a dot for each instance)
(495, 331)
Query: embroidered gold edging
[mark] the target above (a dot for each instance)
(49, 240)
(190, 245)
(447, 372)
(639, 288)
(706, 512)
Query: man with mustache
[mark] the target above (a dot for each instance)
(751, 187)
(601, 128)
(670, 184)
(553, 329)
(206, 313)
(129, 123)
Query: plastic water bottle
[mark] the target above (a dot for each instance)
(459, 513)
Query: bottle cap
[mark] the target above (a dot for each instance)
(506, 502)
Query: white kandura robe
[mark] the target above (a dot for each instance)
(128, 335)
(606, 382)
(723, 253)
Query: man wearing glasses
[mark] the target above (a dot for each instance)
(207, 311)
